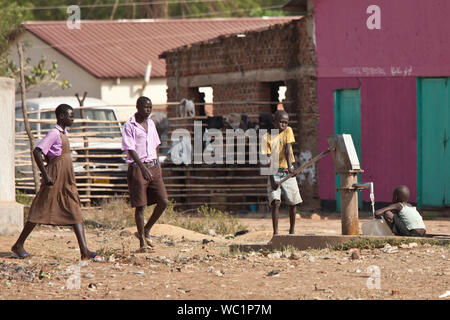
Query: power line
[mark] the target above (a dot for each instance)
(162, 37)
(106, 5)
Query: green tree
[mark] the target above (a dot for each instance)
(137, 9)
(35, 75)
(11, 17)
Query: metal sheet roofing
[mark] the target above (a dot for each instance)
(122, 48)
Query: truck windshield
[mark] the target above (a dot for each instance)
(105, 124)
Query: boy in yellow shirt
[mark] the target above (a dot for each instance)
(289, 188)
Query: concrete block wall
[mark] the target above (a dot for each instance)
(11, 212)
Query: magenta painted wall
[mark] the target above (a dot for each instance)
(388, 133)
(413, 40)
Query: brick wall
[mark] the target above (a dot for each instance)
(238, 93)
(276, 47)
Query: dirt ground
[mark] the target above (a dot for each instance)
(184, 266)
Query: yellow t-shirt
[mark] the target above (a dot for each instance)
(284, 137)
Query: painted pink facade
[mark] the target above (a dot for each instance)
(413, 42)
(413, 39)
(388, 134)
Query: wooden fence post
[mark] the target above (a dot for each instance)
(86, 144)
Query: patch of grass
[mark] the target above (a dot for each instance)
(365, 243)
(106, 252)
(115, 213)
(288, 250)
(430, 215)
(305, 214)
(206, 218)
(118, 214)
(23, 198)
(234, 251)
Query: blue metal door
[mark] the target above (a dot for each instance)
(433, 142)
(347, 119)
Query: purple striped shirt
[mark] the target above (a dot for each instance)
(134, 137)
(51, 145)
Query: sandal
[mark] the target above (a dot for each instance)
(94, 257)
(20, 256)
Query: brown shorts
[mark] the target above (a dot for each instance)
(145, 192)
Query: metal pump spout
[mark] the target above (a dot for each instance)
(364, 186)
(372, 195)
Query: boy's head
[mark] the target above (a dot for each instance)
(400, 194)
(144, 106)
(281, 120)
(64, 115)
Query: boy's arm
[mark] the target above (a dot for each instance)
(274, 184)
(395, 208)
(268, 152)
(287, 153)
(38, 154)
(129, 145)
(290, 139)
(144, 170)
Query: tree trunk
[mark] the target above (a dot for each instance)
(86, 144)
(114, 10)
(37, 182)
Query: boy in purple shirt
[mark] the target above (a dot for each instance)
(145, 183)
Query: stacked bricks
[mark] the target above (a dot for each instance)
(275, 47)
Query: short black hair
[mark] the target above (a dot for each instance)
(402, 193)
(62, 109)
(142, 101)
(279, 114)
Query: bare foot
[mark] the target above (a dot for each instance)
(88, 255)
(145, 249)
(148, 241)
(18, 250)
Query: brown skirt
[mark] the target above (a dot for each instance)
(58, 204)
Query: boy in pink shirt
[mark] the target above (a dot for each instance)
(145, 183)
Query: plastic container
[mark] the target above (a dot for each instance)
(376, 227)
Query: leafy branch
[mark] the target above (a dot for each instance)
(35, 75)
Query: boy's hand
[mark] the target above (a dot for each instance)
(275, 185)
(291, 169)
(146, 173)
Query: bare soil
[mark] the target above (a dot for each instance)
(184, 267)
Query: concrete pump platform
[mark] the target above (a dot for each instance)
(312, 241)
